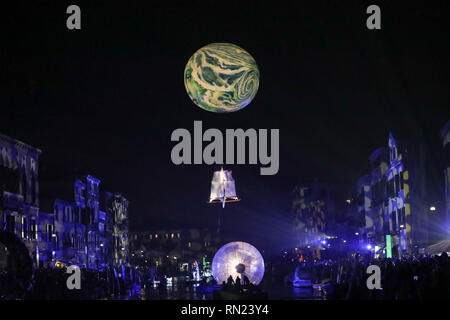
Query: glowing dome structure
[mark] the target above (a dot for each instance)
(238, 259)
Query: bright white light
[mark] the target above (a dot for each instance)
(432, 208)
(234, 253)
(369, 246)
(356, 233)
(348, 200)
(401, 226)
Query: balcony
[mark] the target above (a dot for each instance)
(12, 200)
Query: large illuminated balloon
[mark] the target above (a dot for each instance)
(238, 259)
(221, 77)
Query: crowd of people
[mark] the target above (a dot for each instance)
(405, 278)
(235, 286)
(51, 284)
(417, 278)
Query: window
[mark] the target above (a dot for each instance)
(49, 230)
(398, 186)
(394, 221)
(151, 237)
(56, 240)
(9, 179)
(24, 228)
(189, 244)
(172, 235)
(390, 188)
(178, 235)
(10, 222)
(156, 236)
(33, 229)
(402, 216)
(33, 189)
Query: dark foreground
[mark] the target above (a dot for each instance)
(424, 278)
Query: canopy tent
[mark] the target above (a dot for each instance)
(438, 248)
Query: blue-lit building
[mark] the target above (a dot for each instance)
(116, 226)
(91, 225)
(173, 249)
(19, 193)
(71, 220)
(445, 135)
(314, 215)
(389, 203)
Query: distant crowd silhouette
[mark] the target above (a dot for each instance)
(235, 285)
(417, 278)
(51, 284)
(406, 278)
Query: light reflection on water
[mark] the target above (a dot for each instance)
(180, 290)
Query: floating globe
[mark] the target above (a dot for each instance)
(221, 77)
(238, 259)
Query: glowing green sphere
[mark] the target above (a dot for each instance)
(221, 77)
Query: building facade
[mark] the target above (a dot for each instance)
(74, 223)
(314, 212)
(388, 202)
(173, 249)
(367, 203)
(19, 192)
(445, 135)
(117, 225)
(91, 229)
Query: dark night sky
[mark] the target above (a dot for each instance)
(106, 99)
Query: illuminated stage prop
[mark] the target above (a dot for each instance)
(238, 259)
(223, 188)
